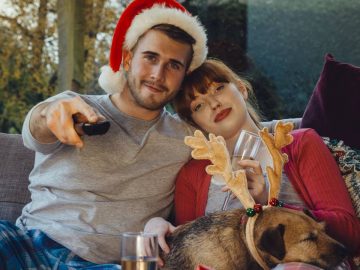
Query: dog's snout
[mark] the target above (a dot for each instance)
(335, 255)
(340, 250)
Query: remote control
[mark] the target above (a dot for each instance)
(91, 129)
(98, 128)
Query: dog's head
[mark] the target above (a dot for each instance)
(284, 235)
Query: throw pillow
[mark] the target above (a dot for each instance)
(334, 107)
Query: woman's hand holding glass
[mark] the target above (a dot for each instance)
(243, 157)
(256, 180)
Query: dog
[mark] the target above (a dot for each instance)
(280, 235)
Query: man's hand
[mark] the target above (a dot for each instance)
(162, 228)
(54, 120)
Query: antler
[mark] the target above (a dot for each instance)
(215, 150)
(274, 145)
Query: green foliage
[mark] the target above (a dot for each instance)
(25, 67)
(19, 89)
(29, 54)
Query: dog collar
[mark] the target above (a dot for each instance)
(249, 219)
(249, 237)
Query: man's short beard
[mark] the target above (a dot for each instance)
(152, 106)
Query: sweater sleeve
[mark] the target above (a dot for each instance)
(28, 139)
(185, 196)
(191, 191)
(316, 176)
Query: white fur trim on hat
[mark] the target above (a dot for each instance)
(160, 14)
(111, 81)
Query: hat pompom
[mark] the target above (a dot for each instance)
(111, 81)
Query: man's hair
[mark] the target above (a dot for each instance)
(175, 33)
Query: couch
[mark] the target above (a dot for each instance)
(15, 166)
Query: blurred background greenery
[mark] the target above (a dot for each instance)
(48, 46)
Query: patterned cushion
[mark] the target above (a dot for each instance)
(348, 160)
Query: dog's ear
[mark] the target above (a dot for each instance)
(272, 241)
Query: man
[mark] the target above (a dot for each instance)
(83, 197)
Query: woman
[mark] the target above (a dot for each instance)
(215, 100)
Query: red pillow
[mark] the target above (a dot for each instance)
(334, 107)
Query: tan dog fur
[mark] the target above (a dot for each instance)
(281, 235)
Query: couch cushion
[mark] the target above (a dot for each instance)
(271, 124)
(15, 166)
(333, 109)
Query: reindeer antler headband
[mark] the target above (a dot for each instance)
(215, 150)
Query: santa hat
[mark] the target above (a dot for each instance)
(139, 17)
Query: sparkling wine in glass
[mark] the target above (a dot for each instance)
(139, 251)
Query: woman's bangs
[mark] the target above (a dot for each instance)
(202, 78)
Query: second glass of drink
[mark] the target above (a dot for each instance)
(139, 251)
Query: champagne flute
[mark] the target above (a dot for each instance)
(246, 147)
